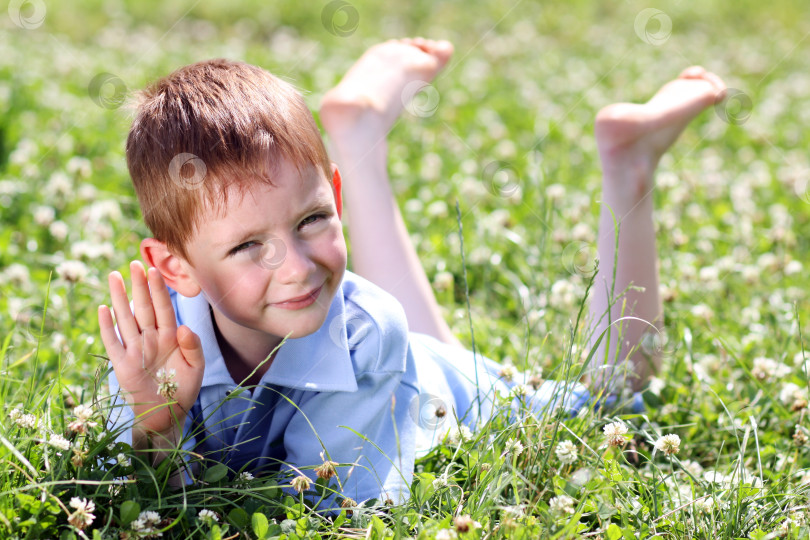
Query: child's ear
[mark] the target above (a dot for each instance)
(336, 186)
(172, 267)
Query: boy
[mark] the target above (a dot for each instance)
(282, 358)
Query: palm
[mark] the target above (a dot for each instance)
(151, 343)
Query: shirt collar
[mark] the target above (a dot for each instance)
(318, 362)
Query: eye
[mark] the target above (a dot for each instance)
(309, 220)
(241, 247)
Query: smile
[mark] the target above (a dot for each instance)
(300, 302)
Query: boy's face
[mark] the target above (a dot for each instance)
(271, 262)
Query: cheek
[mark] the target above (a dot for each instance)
(336, 248)
(238, 281)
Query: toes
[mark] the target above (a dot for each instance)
(716, 81)
(694, 72)
(442, 50)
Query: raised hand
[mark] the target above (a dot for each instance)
(155, 361)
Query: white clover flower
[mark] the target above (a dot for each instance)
(27, 421)
(562, 295)
(327, 470)
(562, 504)
(693, 467)
(446, 534)
(123, 460)
(441, 481)
(797, 515)
(83, 515)
(582, 232)
(72, 271)
(555, 192)
(793, 267)
(566, 452)
(702, 311)
(668, 444)
(167, 385)
(16, 274)
(59, 185)
(656, 385)
(507, 373)
(147, 524)
(443, 281)
(465, 522)
(301, 483)
(705, 504)
(44, 215)
(82, 422)
(800, 436)
(59, 442)
(208, 516)
(615, 433)
(716, 477)
(513, 448)
(80, 166)
(244, 477)
(765, 369)
(787, 393)
(458, 434)
(785, 527)
(92, 250)
(520, 390)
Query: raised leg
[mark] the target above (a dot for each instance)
(357, 115)
(631, 139)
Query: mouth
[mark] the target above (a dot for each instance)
(300, 302)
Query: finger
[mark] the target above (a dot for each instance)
(164, 311)
(191, 347)
(115, 350)
(144, 312)
(127, 327)
(149, 359)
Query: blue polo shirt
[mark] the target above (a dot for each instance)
(361, 391)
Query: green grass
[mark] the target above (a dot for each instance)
(521, 93)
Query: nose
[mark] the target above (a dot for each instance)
(294, 262)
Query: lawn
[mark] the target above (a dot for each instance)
(506, 134)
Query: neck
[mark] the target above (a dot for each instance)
(247, 353)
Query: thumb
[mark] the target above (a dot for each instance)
(190, 347)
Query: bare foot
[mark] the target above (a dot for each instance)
(631, 138)
(374, 91)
